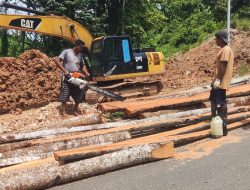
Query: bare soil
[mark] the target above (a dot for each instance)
(196, 67)
(29, 85)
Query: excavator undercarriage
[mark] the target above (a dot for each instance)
(128, 89)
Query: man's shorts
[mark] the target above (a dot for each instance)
(67, 90)
(218, 96)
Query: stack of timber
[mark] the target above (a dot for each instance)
(68, 152)
(132, 108)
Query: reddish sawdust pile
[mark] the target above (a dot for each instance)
(29, 81)
(196, 67)
(206, 147)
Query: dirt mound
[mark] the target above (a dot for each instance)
(31, 80)
(196, 67)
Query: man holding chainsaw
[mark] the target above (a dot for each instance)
(224, 70)
(73, 62)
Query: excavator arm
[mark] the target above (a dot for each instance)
(60, 26)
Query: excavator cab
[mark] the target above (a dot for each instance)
(111, 55)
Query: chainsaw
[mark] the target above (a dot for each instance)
(77, 80)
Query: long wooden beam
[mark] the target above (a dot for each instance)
(132, 108)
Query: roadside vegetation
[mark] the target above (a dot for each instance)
(169, 26)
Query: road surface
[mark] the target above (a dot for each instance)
(221, 164)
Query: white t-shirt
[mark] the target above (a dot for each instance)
(71, 61)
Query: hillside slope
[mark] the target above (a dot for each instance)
(196, 67)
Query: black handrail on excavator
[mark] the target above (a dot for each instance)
(16, 7)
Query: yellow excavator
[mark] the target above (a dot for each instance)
(111, 58)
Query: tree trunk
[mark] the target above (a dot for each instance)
(60, 127)
(46, 150)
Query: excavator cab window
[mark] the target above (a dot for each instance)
(111, 55)
(117, 55)
(96, 57)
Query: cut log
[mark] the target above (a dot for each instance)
(45, 150)
(14, 146)
(10, 137)
(175, 115)
(239, 101)
(86, 152)
(188, 138)
(26, 167)
(85, 168)
(234, 82)
(85, 119)
(90, 119)
(184, 111)
(132, 108)
(92, 151)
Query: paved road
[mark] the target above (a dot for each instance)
(227, 168)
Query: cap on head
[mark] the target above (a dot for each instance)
(223, 34)
(79, 43)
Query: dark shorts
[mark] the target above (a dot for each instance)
(218, 96)
(68, 89)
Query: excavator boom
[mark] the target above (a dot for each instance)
(59, 26)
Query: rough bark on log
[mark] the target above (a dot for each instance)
(85, 119)
(46, 150)
(8, 138)
(188, 138)
(239, 101)
(84, 168)
(92, 118)
(14, 146)
(178, 114)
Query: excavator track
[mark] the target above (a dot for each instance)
(127, 89)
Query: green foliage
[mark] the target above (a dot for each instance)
(169, 26)
(241, 24)
(244, 69)
(185, 29)
(4, 43)
(114, 116)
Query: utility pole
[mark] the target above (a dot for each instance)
(228, 18)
